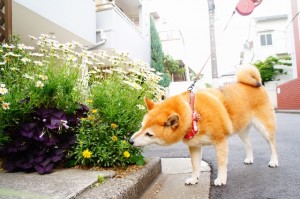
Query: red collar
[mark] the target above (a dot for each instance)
(195, 118)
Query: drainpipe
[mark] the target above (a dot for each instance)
(296, 35)
(101, 42)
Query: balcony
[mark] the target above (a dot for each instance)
(124, 23)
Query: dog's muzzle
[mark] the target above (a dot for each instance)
(131, 141)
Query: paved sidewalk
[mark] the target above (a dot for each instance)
(76, 183)
(170, 184)
(167, 173)
(64, 183)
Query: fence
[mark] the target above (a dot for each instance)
(288, 95)
(5, 20)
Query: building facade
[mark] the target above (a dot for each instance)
(288, 94)
(122, 25)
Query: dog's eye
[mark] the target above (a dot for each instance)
(148, 134)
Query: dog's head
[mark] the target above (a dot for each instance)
(162, 125)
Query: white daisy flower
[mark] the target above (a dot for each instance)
(5, 105)
(140, 107)
(39, 84)
(28, 76)
(3, 91)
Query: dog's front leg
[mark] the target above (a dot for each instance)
(222, 159)
(196, 157)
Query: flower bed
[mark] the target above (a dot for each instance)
(61, 102)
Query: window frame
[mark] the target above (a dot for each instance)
(266, 39)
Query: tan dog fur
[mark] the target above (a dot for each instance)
(224, 111)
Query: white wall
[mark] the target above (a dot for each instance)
(279, 38)
(279, 79)
(76, 16)
(122, 35)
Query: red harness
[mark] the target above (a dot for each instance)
(195, 118)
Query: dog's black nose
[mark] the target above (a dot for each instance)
(131, 142)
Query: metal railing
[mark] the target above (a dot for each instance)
(5, 20)
(111, 5)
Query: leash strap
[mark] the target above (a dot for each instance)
(190, 88)
(195, 118)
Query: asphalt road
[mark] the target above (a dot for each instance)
(256, 181)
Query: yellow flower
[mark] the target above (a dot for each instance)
(114, 138)
(8, 59)
(83, 119)
(87, 154)
(113, 126)
(94, 111)
(89, 101)
(126, 154)
(91, 118)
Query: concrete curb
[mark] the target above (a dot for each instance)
(170, 184)
(288, 111)
(130, 187)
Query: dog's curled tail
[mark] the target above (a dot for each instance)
(249, 75)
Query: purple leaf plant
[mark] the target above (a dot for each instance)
(41, 143)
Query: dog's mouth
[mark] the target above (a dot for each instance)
(144, 141)
(131, 141)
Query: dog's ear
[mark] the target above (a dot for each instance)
(149, 103)
(172, 121)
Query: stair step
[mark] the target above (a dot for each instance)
(170, 183)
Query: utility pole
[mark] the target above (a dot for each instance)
(211, 11)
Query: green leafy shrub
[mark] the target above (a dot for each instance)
(172, 66)
(116, 112)
(41, 91)
(267, 67)
(157, 55)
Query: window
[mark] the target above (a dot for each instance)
(266, 40)
(169, 35)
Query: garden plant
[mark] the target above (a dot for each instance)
(61, 103)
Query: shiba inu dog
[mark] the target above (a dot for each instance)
(208, 117)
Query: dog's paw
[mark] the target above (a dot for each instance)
(248, 161)
(273, 164)
(219, 182)
(191, 181)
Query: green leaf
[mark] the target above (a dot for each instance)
(140, 162)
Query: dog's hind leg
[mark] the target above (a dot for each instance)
(222, 159)
(196, 157)
(265, 124)
(244, 135)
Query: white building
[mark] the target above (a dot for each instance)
(173, 44)
(269, 36)
(102, 24)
